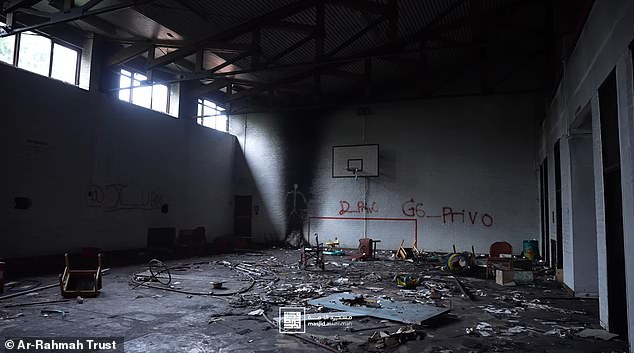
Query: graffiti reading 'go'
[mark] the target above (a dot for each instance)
(412, 208)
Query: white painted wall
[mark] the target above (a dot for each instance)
(471, 154)
(260, 171)
(91, 139)
(625, 83)
(602, 45)
(582, 212)
(474, 154)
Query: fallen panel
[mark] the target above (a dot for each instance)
(408, 313)
(334, 316)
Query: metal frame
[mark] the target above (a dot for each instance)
(482, 22)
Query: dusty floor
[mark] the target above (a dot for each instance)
(536, 318)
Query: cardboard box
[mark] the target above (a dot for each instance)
(559, 275)
(513, 277)
(504, 277)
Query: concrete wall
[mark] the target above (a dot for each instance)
(99, 170)
(471, 155)
(625, 83)
(276, 152)
(584, 243)
(467, 156)
(602, 46)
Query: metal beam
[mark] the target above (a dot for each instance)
(126, 54)
(204, 89)
(343, 74)
(367, 77)
(229, 62)
(255, 41)
(272, 16)
(216, 47)
(356, 36)
(373, 51)
(74, 14)
(10, 5)
(90, 4)
(392, 16)
(291, 26)
(100, 24)
(360, 5)
(320, 30)
(287, 51)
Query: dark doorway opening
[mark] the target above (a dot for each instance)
(242, 215)
(559, 263)
(608, 109)
(543, 192)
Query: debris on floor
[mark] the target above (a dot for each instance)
(232, 302)
(384, 339)
(596, 333)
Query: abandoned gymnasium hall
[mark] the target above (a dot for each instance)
(347, 176)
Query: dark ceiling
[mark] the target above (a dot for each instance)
(297, 53)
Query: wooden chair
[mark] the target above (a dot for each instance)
(84, 282)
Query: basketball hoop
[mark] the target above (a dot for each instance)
(355, 171)
(358, 161)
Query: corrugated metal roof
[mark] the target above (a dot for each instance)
(446, 26)
(274, 42)
(306, 17)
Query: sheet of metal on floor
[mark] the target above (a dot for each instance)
(409, 313)
(335, 315)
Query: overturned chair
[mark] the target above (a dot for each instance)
(80, 282)
(315, 253)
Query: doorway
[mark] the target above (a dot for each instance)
(242, 215)
(543, 191)
(559, 254)
(584, 226)
(610, 150)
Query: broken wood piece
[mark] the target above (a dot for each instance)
(465, 293)
(36, 303)
(28, 291)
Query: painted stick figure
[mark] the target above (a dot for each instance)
(295, 193)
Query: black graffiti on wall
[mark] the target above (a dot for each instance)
(117, 197)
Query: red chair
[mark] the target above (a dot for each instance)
(500, 247)
(496, 260)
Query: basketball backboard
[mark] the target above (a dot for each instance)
(353, 161)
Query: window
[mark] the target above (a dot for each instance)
(41, 55)
(34, 53)
(64, 64)
(211, 115)
(134, 88)
(7, 48)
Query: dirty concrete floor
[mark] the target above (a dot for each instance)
(536, 318)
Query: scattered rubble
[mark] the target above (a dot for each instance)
(374, 297)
